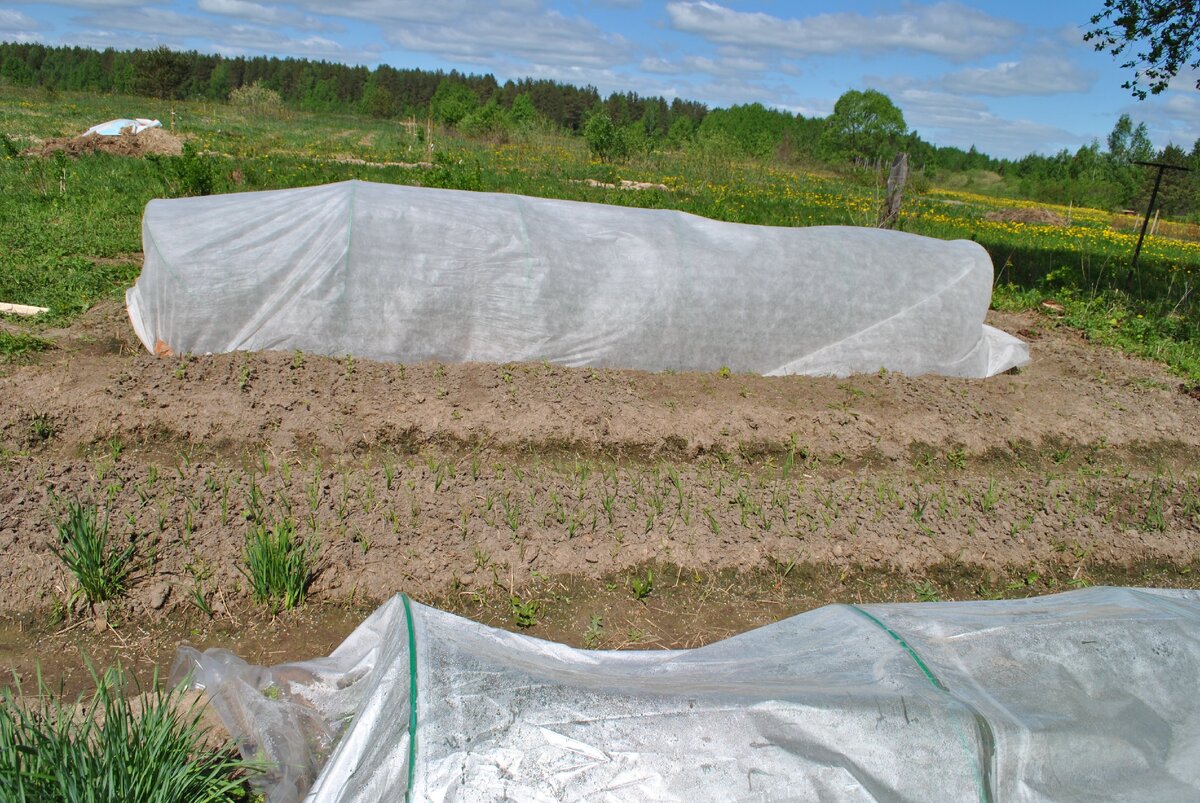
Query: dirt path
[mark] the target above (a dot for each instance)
(475, 481)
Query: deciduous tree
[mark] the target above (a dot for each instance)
(865, 125)
(1163, 37)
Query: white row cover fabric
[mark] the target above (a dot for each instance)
(1088, 695)
(113, 128)
(410, 274)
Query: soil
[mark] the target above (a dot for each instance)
(156, 141)
(750, 498)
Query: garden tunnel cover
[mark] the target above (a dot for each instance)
(1087, 695)
(409, 274)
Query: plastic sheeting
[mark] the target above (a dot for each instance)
(1086, 695)
(113, 128)
(409, 274)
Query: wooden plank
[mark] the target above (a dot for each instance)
(21, 309)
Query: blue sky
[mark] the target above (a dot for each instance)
(1008, 77)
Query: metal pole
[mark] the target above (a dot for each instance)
(1149, 208)
(1146, 222)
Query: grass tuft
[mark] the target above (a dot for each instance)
(100, 570)
(111, 747)
(280, 565)
(16, 346)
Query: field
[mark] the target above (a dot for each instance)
(606, 509)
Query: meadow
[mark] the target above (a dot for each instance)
(73, 224)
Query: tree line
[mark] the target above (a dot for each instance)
(864, 130)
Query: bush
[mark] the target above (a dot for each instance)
(256, 97)
(451, 102)
(111, 748)
(195, 173)
(83, 547)
(604, 139)
(487, 121)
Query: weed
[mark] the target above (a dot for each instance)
(524, 612)
(990, 498)
(1030, 579)
(1189, 503)
(16, 346)
(100, 570)
(606, 502)
(927, 593)
(279, 565)
(114, 746)
(957, 458)
(200, 599)
(642, 587)
(41, 427)
(245, 374)
(594, 633)
(1153, 519)
(512, 512)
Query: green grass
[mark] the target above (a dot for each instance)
(16, 346)
(100, 569)
(279, 565)
(110, 748)
(1153, 332)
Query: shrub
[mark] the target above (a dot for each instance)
(100, 570)
(256, 97)
(111, 747)
(604, 139)
(279, 564)
(195, 173)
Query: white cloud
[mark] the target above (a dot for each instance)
(546, 39)
(1173, 116)
(164, 26)
(18, 27)
(97, 5)
(454, 12)
(962, 122)
(700, 64)
(1036, 75)
(266, 15)
(16, 21)
(149, 20)
(949, 29)
(100, 38)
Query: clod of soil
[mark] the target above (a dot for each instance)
(156, 141)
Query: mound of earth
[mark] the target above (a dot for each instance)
(471, 485)
(1033, 215)
(444, 476)
(155, 141)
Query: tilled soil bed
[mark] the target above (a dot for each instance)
(469, 484)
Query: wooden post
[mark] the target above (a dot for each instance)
(889, 213)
